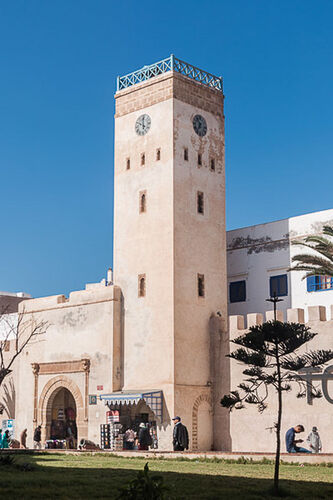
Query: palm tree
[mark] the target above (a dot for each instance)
(320, 261)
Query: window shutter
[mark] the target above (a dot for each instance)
(311, 283)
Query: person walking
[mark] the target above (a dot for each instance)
(180, 435)
(144, 437)
(5, 440)
(0, 439)
(23, 439)
(291, 442)
(37, 438)
(314, 441)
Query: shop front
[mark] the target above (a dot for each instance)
(131, 411)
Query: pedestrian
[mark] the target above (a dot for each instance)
(180, 435)
(154, 438)
(144, 437)
(314, 441)
(291, 442)
(37, 438)
(5, 439)
(0, 439)
(129, 439)
(23, 439)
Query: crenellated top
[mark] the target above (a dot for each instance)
(315, 313)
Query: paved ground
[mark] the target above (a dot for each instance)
(310, 458)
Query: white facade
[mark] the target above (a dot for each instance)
(8, 313)
(255, 254)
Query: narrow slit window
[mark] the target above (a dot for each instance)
(143, 158)
(158, 154)
(142, 285)
(212, 164)
(199, 159)
(142, 201)
(200, 202)
(201, 285)
(185, 154)
(128, 164)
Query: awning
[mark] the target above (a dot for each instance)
(153, 399)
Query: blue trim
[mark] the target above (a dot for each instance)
(278, 285)
(318, 283)
(169, 64)
(237, 291)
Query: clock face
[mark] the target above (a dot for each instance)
(142, 124)
(200, 125)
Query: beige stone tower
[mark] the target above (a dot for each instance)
(169, 246)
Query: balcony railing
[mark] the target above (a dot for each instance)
(170, 64)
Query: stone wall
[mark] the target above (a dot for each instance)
(254, 432)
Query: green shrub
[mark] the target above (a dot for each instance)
(144, 487)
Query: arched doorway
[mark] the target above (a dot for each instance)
(61, 400)
(205, 427)
(202, 424)
(63, 417)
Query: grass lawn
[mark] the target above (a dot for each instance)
(99, 476)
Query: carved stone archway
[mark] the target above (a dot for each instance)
(197, 402)
(46, 399)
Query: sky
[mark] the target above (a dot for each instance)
(58, 67)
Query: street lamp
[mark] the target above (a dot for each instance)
(275, 299)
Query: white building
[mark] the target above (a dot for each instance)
(8, 313)
(258, 258)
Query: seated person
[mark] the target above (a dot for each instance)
(291, 442)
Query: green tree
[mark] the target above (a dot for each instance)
(319, 262)
(270, 353)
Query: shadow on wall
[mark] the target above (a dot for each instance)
(220, 380)
(7, 400)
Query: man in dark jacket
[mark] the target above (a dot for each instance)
(144, 437)
(180, 435)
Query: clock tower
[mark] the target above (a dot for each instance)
(169, 243)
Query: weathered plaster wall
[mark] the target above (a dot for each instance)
(252, 431)
(199, 248)
(143, 242)
(85, 326)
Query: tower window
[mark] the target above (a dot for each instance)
(185, 154)
(128, 164)
(199, 159)
(143, 158)
(200, 202)
(141, 285)
(142, 201)
(212, 164)
(158, 154)
(201, 285)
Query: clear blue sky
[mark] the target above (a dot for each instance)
(58, 65)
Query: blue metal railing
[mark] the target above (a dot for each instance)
(169, 64)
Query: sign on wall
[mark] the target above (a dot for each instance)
(92, 399)
(313, 374)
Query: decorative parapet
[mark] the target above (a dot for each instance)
(170, 64)
(297, 315)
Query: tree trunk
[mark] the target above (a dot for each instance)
(278, 428)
